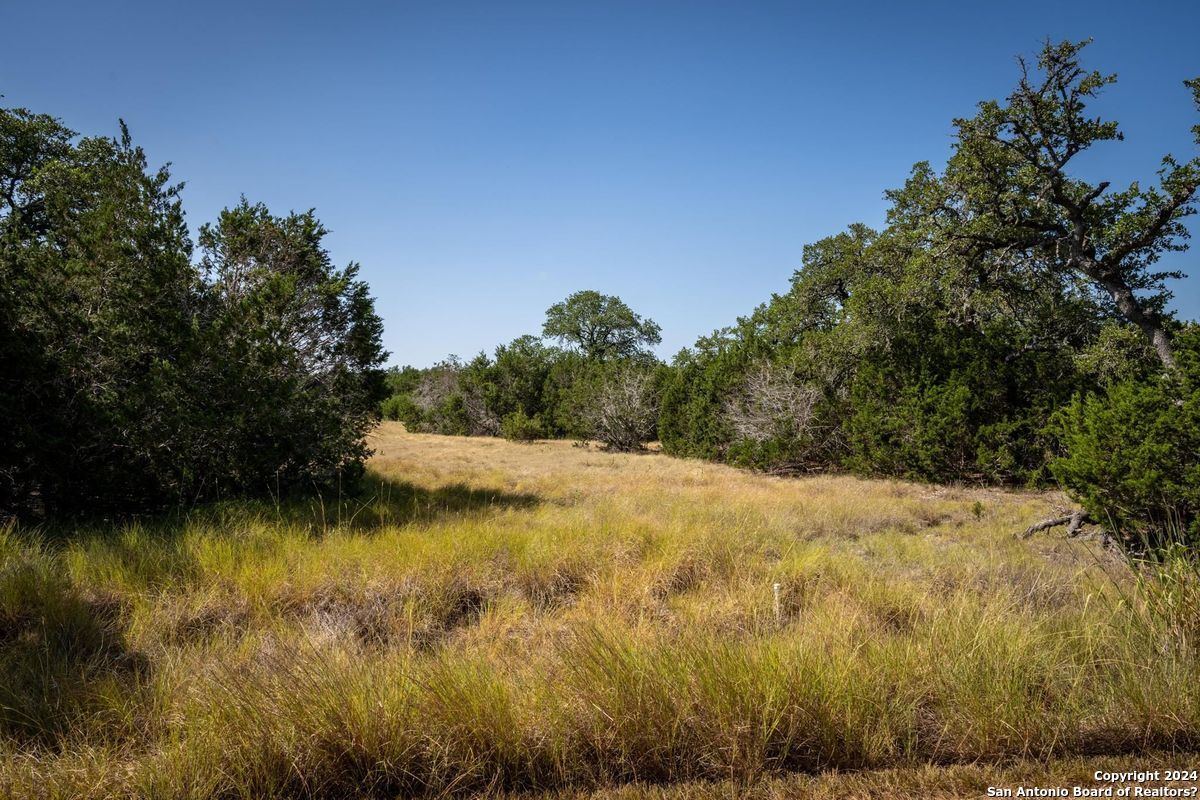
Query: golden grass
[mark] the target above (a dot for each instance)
(497, 617)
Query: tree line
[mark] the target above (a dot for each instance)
(596, 379)
(1007, 325)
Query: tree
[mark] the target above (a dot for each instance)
(516, 379)
(27, 142)
(623, 407)
(294, 352)
(771, 402)
(96, 294)
(132, 378)
(1011, 200)
(600, 326)
(402, 380)
(941, 345)
(1132, 453)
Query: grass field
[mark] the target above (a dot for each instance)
(551, 619)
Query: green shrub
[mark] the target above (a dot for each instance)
(390, 407)
(1132, 455)
(400, 407)
(519, 427)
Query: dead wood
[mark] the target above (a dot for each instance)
(1074, 521)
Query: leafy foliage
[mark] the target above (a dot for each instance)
(605, 386)
(600, 326)
(518, 427)
(130, 377)
(1013, 205)
(98, 291)
(940, 347)
(297, 376)
(1132, 454)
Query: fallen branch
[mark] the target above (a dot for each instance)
(1073, 521)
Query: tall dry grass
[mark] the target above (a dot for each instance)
(495, 617)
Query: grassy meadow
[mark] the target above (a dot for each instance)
(548, 619)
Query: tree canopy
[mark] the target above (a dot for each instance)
(1010, 202)
(600, 326)
(131, 377)
(943, 345)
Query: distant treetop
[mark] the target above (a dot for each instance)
(600, 326)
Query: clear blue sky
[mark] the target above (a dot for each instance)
(482, 160)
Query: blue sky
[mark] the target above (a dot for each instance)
(482, 160)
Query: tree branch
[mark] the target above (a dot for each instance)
(1073, 521)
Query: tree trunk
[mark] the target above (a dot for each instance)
(1130, 308)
